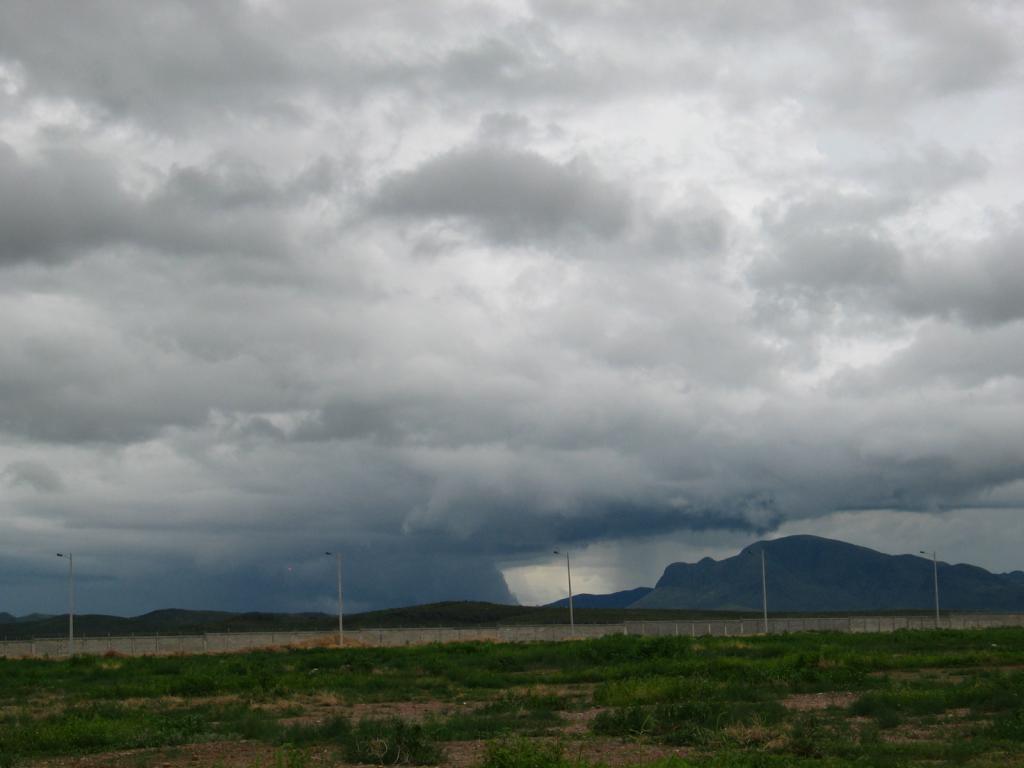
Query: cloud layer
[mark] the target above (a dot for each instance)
(447, 286)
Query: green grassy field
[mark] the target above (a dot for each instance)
(903, 699)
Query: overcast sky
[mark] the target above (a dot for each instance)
(445, 285)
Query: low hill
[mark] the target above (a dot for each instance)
(7, 618)
(169, 622)
(450, 614)
(812, 574)
(1017, 577)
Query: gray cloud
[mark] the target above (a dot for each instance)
(981, 285)
(68, 203)
(513, 196)
(62, 203)
(185, 58)
(32, 474)
(841, 254)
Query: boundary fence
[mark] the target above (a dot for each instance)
(226, 642)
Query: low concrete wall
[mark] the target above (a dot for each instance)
(523, 634)
(240, 641)
(736, 627)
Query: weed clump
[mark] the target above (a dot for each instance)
(690, 722)
(392, 742)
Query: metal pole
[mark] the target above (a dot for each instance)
(935, 572)
(764, 594)
(71, 613)
(341, 626)
(71, 601)
(568, 573)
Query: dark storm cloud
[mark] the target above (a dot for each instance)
(692, 267)
(274, 579)
(512, 196)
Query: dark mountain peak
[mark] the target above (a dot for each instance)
(804, 543)
(6, 618)
(622, 599)
(812, 573)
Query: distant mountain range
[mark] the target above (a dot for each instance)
(449, 614)
(805, 574)
(6, 618)
(810, 574)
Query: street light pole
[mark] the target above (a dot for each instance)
(71, 601)
(568, 574)
(935, 574)
(764, 589)
(764, 593)
(341, 626)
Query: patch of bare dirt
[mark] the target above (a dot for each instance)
(917, 731)
(415, 711)
(944, 674)
(900, 675)
(317, 709)
(808, 702)
(229, 754)
(463, 754)
(250, 754)
(569, 690)
(912, 733)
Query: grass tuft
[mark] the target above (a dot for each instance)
(519, 752)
